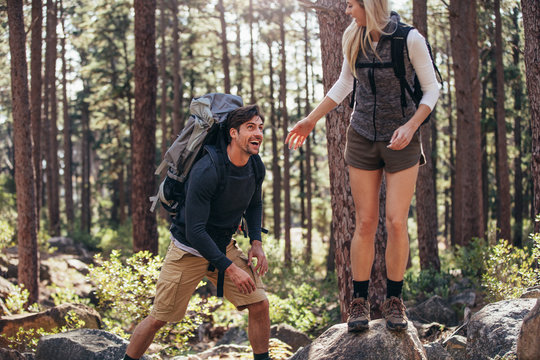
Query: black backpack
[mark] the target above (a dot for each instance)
(398, 43)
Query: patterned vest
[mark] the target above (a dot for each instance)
(378, 112)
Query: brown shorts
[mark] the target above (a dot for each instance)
(181, 273)
(365, 154)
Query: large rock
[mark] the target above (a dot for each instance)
(466, 298)
(220, 352)
(6, 287)
(290, 336)
(528, 345)
(494, 329)
(377, 343)
(456, 346)
(234, 335)
(66, 245)
(48, 320)
(435, 351)
(82, 344)
(7, 354)
(433, 309)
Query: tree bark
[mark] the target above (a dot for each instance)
(426, 202)
(285, 124)
(309, 192)
(332, 23)
(144, 127)
(276, 170)
(68, 146)
(163, 79)
(86, 213)
(531, 14)
(35, 98)
(469, 216)
(24, 177)
(251, 56)
(51, 119)
(225, 61)
(178, 119)
(517, 90)
(503, 172)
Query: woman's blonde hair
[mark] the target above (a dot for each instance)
(358, 37)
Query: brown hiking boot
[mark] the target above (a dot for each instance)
(358, 319)
(393, 311)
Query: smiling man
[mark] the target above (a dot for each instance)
(201, 235)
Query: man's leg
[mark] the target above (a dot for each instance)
(142, 336)
(259, 327)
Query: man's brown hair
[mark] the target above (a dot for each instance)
(241, 115)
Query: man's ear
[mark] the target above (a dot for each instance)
(233, 133)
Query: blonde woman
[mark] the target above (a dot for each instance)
(382, 137)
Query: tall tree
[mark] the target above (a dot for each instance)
(51, 114)
(24, 177)
(251, 56)
(309, 192)
(332, 23)
(285, 124)
(531, 14)
(68, 185)
(426, 203)
(178, 121)
(503, 176)
(517, 90)
(86, 205)
(144, 127)
(225, 60)
(163, 78)
(469, 216)
(35, 97)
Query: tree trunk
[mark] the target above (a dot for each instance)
(503, 173)
(332, 23)
(68, 146)
(24, 177)
(163, 79)
(426, 203)
(309, 193)
(35, 99)
(531, 14)
(178, 119)
(145, 235)
(276, 170)
(517, 91)
(225, 61)
(285, 124)
(238, 60)
(468, 202)
(86, 213)
(50, 122)
(251, 56)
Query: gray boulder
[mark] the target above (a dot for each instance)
(290, 336)
(456, 346)
(8, 354)
(466, 298)
(433, 309)
(377, 343)
(82, 344)
(531, 294)
(219, 352)
(435, 351)
(234, 335)
(528, 345)
(493, 331)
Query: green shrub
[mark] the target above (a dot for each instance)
(510, 270)
(426, 284)
(471, 259)
(17, 301)
(125, 293)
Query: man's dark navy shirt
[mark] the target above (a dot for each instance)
(211, 214)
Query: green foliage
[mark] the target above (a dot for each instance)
(27, 339)
(510, 270)
(17, 301)
(426, 283)
(64, 295)
(120, 238)
(7, 234)
(471, 259)
(279, 350)
(125, 293)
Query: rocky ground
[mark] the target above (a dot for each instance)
(503, 330)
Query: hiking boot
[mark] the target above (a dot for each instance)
(393, 311)
(358, 319)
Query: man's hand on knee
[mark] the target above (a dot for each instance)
(241, 279)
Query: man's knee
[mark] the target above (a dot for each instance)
(154, 323)
(259, 308)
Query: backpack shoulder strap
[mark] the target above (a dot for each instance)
(218, 160)
(399, 43)
(259, 169)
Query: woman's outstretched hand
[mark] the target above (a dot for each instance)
(299, 133)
